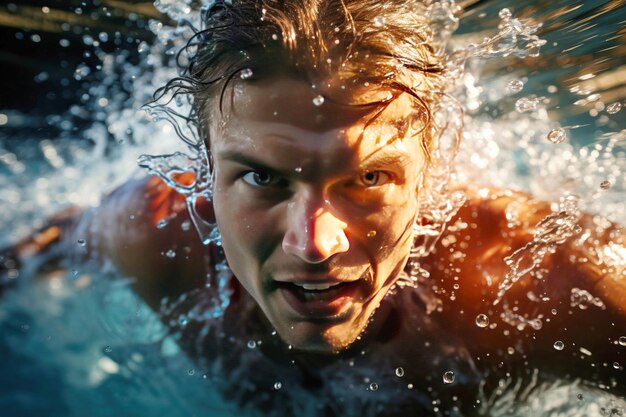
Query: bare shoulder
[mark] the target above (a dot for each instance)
(143, 229)
(489, 262)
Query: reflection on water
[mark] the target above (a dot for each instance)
(551, 124)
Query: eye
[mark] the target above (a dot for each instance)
(260, 178)
(374, 178)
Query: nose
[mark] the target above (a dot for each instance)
(314, 233)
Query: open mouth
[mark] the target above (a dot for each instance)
(319, 300)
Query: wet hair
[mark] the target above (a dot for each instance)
(373, 43)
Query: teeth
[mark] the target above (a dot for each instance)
(316, 287)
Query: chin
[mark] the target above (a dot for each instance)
(309, 337)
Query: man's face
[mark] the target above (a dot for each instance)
(316, 220)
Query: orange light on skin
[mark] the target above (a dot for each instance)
(165, 201)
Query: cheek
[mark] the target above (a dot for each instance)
(245, 231)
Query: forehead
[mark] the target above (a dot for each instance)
(296, 113)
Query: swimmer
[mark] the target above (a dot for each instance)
(319, 156)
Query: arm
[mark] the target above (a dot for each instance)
(136, 230)
(544, 306)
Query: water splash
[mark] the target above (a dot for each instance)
(549, 232)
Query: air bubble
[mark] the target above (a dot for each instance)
(482, 320)
(399, 372)
(605, 185)
(448, 377)
(108, 349)
(622, 340)
(170, 253)
(580, 397)
(81, 242)
(161, 224)
(373, 386)
(613, 108)
(515, 86)
(277, 385)
(616, 365)
(251, 344)
(371, 233)
(558, 345)
(557, 135)
(318, 100)
(190, 372)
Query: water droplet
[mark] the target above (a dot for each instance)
(108, 349)
(400, 371)
(448, 377)
(525, 104)
(81, 242)
(379, 21)
(622, 340)
(557, 135)
(318, 100)
(371, 233)
(245, 74)
(613, 108)
(605, 185)
(191, 372)
(81, 72)
(251, 344)
(482, 320)
(515, 86)
(558, 345)
(505, 14)
(373, 386)
(277, 385)
(170, 253)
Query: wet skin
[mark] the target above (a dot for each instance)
(306, 195)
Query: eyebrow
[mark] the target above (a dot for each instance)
(384, 158)
(248, 160)
(380, 159)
